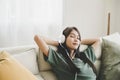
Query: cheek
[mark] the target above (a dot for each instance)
(70, 39)
(69, 42)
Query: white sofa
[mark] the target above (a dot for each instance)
(28, 56)
(32, 58)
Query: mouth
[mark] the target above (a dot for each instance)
(76, 44)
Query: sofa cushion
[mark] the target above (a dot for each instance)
(39, 76)
(28, 59)
(48, 75)
(110, 68)
(11, 69)
(43, 65)
(26, 55)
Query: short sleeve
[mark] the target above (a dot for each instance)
(54, 58)
(90, 53)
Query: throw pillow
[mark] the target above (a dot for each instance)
(26, 55)
(115, 37)
(10, 69)
(110, 67)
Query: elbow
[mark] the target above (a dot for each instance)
(98, 40)
(35, 38)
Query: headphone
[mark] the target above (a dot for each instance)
(62, 38)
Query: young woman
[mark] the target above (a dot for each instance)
(68, 62)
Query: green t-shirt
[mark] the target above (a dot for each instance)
(62, 69)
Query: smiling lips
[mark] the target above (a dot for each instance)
(75, 44)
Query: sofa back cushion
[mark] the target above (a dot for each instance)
(26, 55)
(11, 69)
(43, 65)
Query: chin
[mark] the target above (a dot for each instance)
(75, 48)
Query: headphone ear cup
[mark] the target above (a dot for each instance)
(62, 38)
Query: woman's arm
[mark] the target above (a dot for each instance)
(95, 43)
(43, 43)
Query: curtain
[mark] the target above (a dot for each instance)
(20, 20)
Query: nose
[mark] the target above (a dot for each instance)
(76, 39)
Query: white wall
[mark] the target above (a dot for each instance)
(113, 6)
(88, 15)
(117, 11)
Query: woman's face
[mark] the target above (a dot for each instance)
(73, 41)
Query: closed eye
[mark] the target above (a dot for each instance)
(74, 36)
